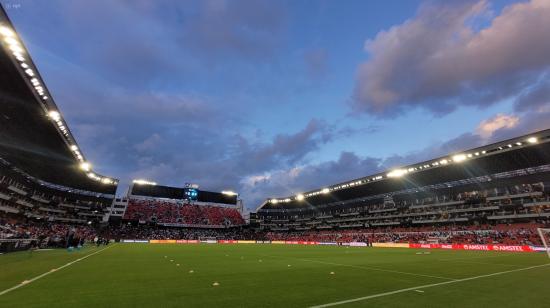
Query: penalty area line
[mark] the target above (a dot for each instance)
(26, 282)
(426, 286)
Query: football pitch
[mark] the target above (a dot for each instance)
(256, 275)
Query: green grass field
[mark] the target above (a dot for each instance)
(145, 275)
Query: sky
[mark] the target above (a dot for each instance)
(273, 98)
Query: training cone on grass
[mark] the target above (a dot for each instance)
(215, 284)
(25, 281)
(191, 272)
(332, 273)
(178, 264)
(289, 265)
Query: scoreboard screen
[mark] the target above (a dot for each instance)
(157, 191)
(191, 194)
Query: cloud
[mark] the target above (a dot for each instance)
(245, 28)
(487, 127)
(535, 99)
(439, 60)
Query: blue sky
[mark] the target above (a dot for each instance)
(271, 98)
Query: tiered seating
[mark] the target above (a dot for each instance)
(514, 234)
(164, 212)
(48, 204)
(528, 202)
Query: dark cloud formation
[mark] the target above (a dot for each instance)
(439, 60)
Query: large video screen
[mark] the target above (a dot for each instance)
(158, 191)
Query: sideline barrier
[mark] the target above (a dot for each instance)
(391, 245)
(506, 248)
(523, 248)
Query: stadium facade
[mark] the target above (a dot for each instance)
(41, 165)
(506, 181)
(47, 187)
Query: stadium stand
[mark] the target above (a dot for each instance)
(496, 193)
(499, 193)
(47, 188)
(172, 212)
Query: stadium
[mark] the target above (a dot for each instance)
(466, 229)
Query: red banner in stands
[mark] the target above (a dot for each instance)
(187, 242)
(523, 248)
(227, 242)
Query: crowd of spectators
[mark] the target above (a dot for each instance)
(171, 212)
(47, 234)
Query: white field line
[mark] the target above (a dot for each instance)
(26, 282)
(369, 268)
(425, 286)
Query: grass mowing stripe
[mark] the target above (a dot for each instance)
(367, 268)
(378, 269)
(26, 282)
(425, 286)
(485, 263)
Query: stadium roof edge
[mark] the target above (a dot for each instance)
(530, 139)
(20, 57)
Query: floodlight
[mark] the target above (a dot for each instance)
(459, 158)
(229, 193)
(6, 32)
(274, 201)
(532, 140)
(144, 182)
(397, 173)
(325, 190)
(300, 197)
(54, 115)
(16, 48)
(85, 166)
(74, 147)
(11, 41)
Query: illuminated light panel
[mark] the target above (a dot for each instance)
(325, 191)
(397, 173)
(6, 32)
(144, 182)
(229, 193)
(11, 41)
(300, 197)
(16, 49)
(459, 158)
(518, 143)
(274, 201)
(85, 166)
(532, 140)
(74, 147)
(54, 115)
(29, 72)
(444, 161)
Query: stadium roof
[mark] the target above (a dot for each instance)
(523, 152)
(34, 137)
